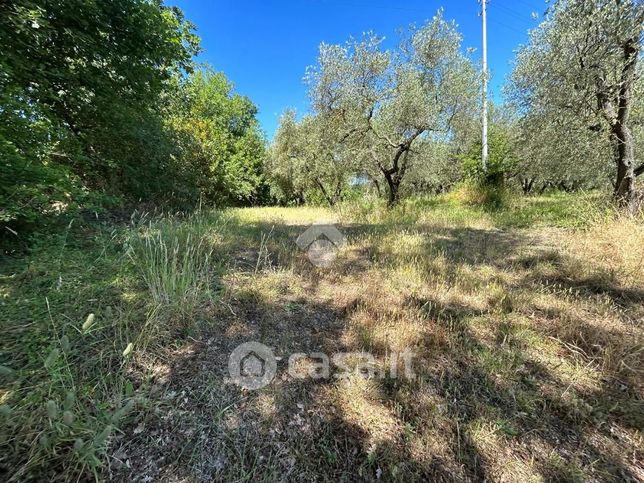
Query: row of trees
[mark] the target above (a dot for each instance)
(101, 102)
(579, 80)
(406, 120)
(376, 113)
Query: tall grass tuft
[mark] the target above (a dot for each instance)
(174, 258)
(74, 335)
(486, 196)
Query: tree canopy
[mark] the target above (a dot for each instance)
(101, 103)
(579, 72)
(380, 104)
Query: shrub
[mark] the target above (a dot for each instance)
(502, 160)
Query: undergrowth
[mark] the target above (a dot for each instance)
(503, 209)
(84, 311)
(77, 311)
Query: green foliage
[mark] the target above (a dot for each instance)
(219, 144)
(80, 83)
(502, 160)
(575, 84)
(29, 184)
(436, 167)
(308, 162)
(381, 105)
(97, 104)
(562, 151)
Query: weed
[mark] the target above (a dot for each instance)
(524, 322)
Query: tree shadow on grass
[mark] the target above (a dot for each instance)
(309, 429)
(532, 402)
(294, 428)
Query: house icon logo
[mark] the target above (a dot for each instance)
(252, 365)
(321, 242)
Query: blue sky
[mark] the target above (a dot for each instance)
(264, 47)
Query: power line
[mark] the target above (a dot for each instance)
(510, 12)
(509, 27)
(379, 7)
(526, 4)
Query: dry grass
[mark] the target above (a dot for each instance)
(528, 355)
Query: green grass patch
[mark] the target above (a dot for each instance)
(76, 311)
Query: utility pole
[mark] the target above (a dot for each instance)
(484, 154)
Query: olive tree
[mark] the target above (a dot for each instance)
(435, 168)
(581, 62)
(282, 162)
(308, 160)
(547, 158)
(385, 102)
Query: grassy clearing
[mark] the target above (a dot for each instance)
(525, 322)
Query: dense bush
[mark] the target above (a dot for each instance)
(501, 163)
(218, 140)
(98, 105)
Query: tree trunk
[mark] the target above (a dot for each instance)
(545, 186)
(625, 158)
(328, 198)
(639, 170)
(393, 183)
(526, 185)
(395, 174)
(621, 136)
(377, 186)
(338, 191)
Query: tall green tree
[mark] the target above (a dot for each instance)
(582, 62)
(386, 101)
(561, 152)
(220, 146)
(309, 161)
(80, 86)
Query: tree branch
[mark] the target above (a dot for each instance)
(639, 170)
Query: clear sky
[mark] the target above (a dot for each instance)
(264, 47)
